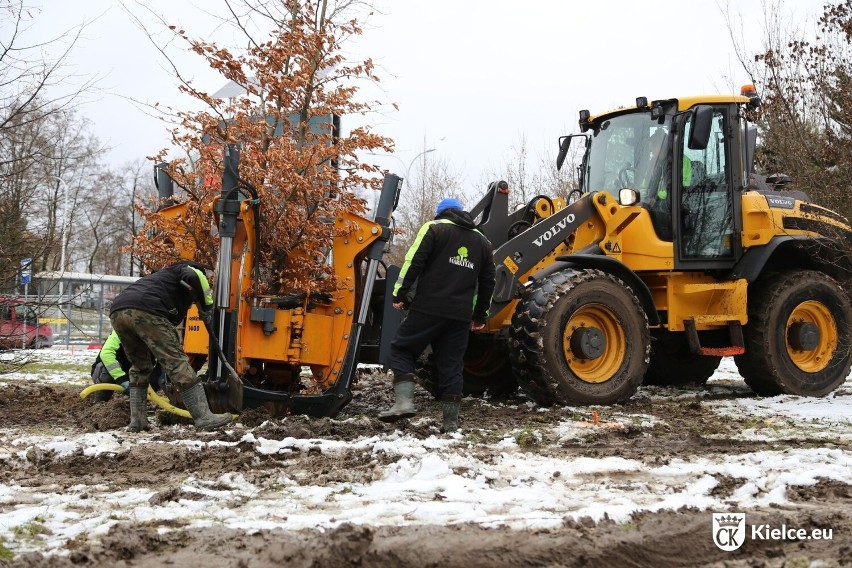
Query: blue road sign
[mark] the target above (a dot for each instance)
(26, 270)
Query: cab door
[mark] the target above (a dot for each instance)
(706, 213)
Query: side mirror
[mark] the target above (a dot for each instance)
(564, 144)
(702, 120)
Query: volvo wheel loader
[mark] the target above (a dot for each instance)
(670, 255)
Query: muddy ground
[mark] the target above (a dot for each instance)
(682, 427)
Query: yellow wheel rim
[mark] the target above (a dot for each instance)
(603, 367)
(817, 359)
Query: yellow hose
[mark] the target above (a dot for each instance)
(164, 403)
(160, 401)
(101, 387)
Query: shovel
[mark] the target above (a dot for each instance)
(235, 383)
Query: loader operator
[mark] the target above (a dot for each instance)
(112, 365)
(446, 283)
(656, 170)
(144, 316)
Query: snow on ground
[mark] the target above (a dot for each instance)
(440, 480)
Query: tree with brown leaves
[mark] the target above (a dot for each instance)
(805, 86)
(292, 157)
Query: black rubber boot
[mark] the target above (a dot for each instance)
(99, 376)
(101, 395)
(451, 404)
(138, 409)
(403, 406)
(196, 402)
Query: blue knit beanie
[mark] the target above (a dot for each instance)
(448, 203)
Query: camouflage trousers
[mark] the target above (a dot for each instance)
(147, 339)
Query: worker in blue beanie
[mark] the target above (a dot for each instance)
(446, 284)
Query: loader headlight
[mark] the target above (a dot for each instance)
(628, 196)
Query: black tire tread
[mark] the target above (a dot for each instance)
(528, 326)
(760, 365)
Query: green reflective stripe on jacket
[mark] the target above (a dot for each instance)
(108, 357)
(114, 367)
(205, 286)
(412, 250)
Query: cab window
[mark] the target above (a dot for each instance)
(706, 198)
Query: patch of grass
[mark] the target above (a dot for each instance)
(48, 367)
(528, 438)
(479, 437)
(542, 417)
(751, 423)
(589, 437)
(6, 555)
(31, 530)
(347, 430)
(710, 428)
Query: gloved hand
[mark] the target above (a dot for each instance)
(126, 385)
(207, 317)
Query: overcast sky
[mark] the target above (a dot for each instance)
(472, 78)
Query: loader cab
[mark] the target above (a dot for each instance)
(682, 162)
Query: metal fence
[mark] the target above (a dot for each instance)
(76, 305)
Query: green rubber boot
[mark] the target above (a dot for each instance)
(451, 404)
(138, 409)
(196, 402)
(403, 406)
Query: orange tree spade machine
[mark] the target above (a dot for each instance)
(670, 255)
(293, 353)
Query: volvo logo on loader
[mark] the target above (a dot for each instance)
(555, 230)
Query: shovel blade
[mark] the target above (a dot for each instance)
(235, 393)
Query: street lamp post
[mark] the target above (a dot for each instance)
(411, 163)
(64, 225)
(62, 244)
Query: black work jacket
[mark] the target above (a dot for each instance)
(162, 292)
(448, 270)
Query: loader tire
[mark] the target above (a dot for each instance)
(579, 337)
(799, 334)
(673, 364)
(486, 370)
